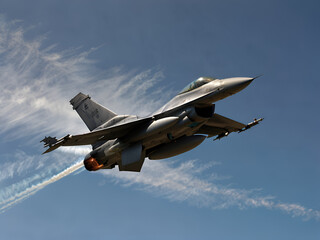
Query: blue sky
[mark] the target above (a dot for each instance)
(133, 56)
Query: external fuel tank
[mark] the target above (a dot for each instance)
(176, 147)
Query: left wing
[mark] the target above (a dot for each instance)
(221, 126)
(105, 134)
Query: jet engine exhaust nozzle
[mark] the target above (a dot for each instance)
(92, 164)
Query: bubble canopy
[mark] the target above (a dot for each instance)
(197, 83)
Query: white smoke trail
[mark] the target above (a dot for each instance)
(27, 192)
(47, 174)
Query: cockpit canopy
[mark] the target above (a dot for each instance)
(197, 83)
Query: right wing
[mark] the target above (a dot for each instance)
(228, 124)
(221, 126)
(105, 134)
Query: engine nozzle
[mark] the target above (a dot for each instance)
(91, 164)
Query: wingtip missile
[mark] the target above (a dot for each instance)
(54, 143)
(251, 124)
(49, 141)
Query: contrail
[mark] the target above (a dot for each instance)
(20, 195)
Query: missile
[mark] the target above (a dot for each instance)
(251, 124)
(155, 127)
(222, 135)
(49, 141)
(53, 143)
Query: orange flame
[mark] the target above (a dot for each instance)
(92, 164)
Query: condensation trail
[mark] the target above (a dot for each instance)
(19, 196)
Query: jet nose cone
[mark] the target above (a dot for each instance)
(234, 85)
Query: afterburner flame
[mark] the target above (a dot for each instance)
(92, 164)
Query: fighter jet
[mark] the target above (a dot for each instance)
(179, 126)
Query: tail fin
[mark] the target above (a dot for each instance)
(92, 113)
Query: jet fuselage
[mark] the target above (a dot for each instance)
(180, 125)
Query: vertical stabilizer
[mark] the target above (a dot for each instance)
(92, 113)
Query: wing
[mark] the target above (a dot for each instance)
(221, 126)
(105, 134)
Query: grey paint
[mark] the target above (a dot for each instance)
(180, 125)
(92, 113)
(176, 147)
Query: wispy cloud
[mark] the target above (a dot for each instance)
(183, 183)
(38, 81)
